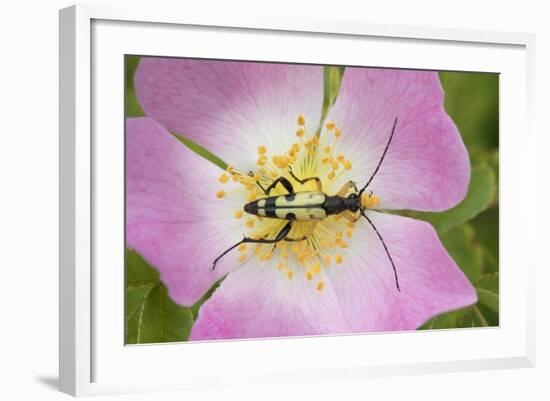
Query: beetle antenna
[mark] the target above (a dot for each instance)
(381, 159)
(385, 248)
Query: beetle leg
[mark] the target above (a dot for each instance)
(280, 237)
(282, 180)
(351, 216)
(303, 238)
(345, 189)
(297, 239)
(316, 179)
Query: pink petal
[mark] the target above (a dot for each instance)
(173, 218)
(427, 165)
(260, 301)
(430, 281)
(231, 107)
(360, 295)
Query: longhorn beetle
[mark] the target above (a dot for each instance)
(311, 206)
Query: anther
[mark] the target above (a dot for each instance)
(220, 194)
(320, 285)
(242, 258)
(370, 200)
(338, 259)
(266, 256)
(300, 132)
(301, 120)
(238, 214)
(262, 150)
(289, 274)
(309, 275)
(330, 125)
(251, 196)
(224, 178)
(250, 223)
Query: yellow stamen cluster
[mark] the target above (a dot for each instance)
(369, 201)
(312, 155)
(330, 160)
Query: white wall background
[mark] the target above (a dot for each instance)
(29, 186)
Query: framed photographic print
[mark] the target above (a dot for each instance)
(341, 196)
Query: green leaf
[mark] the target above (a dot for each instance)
(490, 317)
(484, 313)
(201, 151)
(131, 105)
(196, 307)
(486, 227)
(472, 101)
(461, 244)
(461, 318)
(138, 272)
(480, 193)
(332, 79)
(489, 158)
(151, 316)
(488, 298)
(487, 287)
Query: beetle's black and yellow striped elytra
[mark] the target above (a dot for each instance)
(302, 206)
(310, 206)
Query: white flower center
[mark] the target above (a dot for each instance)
(327, 239)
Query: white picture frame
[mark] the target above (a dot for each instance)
(93, 358)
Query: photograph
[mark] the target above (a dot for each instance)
(255, 201)
(271, 199)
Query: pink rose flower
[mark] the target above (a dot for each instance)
(183, 211)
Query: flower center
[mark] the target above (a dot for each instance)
(326, 240)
